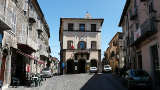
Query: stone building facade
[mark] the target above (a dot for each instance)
(80, 41)
(141, 28)
(114, 52)
(26, 36)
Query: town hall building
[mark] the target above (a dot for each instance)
(80, 43)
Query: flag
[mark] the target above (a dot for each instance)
(72, 47)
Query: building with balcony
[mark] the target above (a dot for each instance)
(80, 42)
(21, 37)
(114, 52)
(140, 25)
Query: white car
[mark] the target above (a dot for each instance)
(107, 68)
(93, 69)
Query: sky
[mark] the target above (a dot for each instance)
(110, 10)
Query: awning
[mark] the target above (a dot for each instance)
(25, 48)
(30, 56)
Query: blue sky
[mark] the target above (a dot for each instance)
(110, 10)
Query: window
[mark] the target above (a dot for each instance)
(70, 44)
(112, 54)
(82, 45)
(151, 8)
(82, 27)
(30, 26)
(93, 45)
(13, 20)
(70, 27)
(93, 27)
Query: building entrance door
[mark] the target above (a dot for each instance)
(82, 66)
(20, 72)
(70, 66)
(2, 69)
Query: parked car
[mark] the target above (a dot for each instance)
(107, 68)
(47, 72)
(138, 78)
(93, 70)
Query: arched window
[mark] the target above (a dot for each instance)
(82, 45)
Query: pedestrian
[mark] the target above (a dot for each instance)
(1, 84)
(116, 70)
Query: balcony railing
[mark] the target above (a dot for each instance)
(147, 29)
(80, 31)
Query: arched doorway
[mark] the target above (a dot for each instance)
(70, 66)
(93, 63)
(81, 66)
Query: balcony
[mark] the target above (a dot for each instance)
(4, 25)
(147, 29)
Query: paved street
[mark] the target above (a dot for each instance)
(79, 82)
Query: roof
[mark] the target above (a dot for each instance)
(124, 11)
(101, 19)
(43, 18)
(118, 33)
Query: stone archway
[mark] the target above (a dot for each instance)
(70, 66)
(82, 66)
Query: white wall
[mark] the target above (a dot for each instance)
(82, 36)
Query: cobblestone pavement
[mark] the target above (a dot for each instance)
(63, 82)
(79, 82)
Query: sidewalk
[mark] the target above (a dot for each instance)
(26, 88)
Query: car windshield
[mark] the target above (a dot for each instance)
(93, 67)
(139, 73)
(106, 66)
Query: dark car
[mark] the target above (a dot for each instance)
(138, 78)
